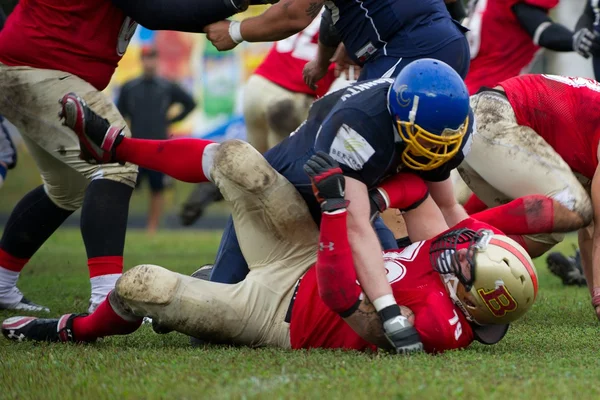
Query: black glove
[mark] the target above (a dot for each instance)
(398, 330)
(378, 204)
(586, 43)
(327, 180)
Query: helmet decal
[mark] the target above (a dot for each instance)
(499, 301)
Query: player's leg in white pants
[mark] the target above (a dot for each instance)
(278, 239)
(508, 161)
(272, 112)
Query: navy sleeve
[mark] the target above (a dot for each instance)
(443, 172)
(363, 148)
(176, 15)
(587, 17)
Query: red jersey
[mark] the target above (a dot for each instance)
(564, 111)
(285, 61)
(84, 38)
(500, 47)
(415, 284)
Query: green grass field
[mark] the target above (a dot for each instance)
(551, 353)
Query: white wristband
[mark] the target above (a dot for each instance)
(384, 301)
(235, 31)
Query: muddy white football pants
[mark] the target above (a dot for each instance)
(272, 112)
(508, 161)
(278, 239)
(29, 99)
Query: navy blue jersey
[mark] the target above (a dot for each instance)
(354, 126)
(397, 28)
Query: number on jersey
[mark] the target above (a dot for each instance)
(454, 321)
(301, 45)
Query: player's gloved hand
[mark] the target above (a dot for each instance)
(398, 330)
(327, 180)
(586, 43)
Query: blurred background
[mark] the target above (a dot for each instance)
(215, 81)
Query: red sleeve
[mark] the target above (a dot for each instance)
(336, 276)
(441, 326)
(404, 191)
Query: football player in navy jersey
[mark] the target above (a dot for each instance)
(382, 36)
(420, 121)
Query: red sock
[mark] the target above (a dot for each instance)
(524, 216)
(474, 205)
(11, 262)
(106, 265)
(179, 158)
(103, 322)
(336, 275)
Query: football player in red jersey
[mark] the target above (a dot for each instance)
(466, 284)
(542, 131)
(50, 48)
(506, 35)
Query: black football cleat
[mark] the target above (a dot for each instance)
(201, 197)
(568, 269)
(22, 329)
(97, 138)
(24, 305)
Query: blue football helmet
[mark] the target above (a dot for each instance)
(430, 103)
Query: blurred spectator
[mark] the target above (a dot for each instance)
(145, 103)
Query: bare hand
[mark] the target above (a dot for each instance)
(312, 73)
(343, 63)
(218, 34)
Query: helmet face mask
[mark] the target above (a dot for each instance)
(424, 150)
(489, 277)
(429, 105)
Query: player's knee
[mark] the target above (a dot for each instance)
(148, 284)
(126, 174)
(578, 204)
(283, 118)
(243, 164)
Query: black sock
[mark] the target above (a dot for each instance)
(33, 220)
(104, 217)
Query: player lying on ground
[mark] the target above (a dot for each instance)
(543, 132)
(486, 281)
(421, 121)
